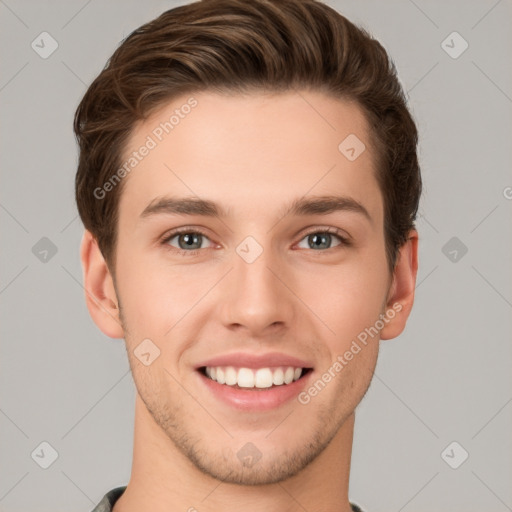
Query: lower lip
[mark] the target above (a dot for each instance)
(255, 399)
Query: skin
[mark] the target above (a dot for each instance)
(252, 155)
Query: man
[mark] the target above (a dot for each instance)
(248, 181)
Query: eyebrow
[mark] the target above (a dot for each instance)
(313, 205)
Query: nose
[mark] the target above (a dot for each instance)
(257, 295)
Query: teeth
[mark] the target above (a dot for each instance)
(288, 375)
(263, 378)
(230, 376)
(249, 378)
(245, 378)
(278, 377)
(221, 377)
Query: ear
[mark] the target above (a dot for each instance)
(401, 292)
(100, 294)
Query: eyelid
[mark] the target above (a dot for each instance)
(326, 229)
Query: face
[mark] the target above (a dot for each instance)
(279, 263)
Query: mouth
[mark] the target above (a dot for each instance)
(254, 389)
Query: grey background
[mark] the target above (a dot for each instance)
(446, 378)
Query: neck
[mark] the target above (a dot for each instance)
(163, 479)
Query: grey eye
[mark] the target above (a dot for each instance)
(320, 240)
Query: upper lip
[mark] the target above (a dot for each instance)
(246, 360)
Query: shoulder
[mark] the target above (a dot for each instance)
(106, 504)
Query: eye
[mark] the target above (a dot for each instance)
(322, 239)
(188, 241)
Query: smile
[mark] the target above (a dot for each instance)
(254, 389)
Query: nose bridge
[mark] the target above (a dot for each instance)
(256, 298)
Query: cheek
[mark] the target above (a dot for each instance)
(347, 299)
(156, 296)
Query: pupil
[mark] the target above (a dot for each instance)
(315, 238)
(190, 239)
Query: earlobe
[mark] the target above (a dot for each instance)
(401, 293)
(100, 294)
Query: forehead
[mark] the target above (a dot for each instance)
(250, 152)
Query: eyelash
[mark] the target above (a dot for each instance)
(182, 252)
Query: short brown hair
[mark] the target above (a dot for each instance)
(242, 46)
